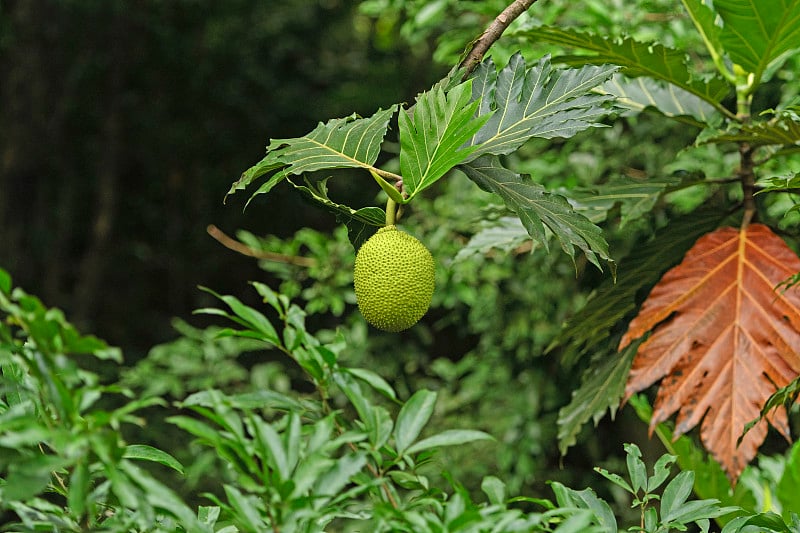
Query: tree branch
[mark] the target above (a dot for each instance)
(482, 44)
(236, 246)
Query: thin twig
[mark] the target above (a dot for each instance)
(482, 44)
(236, 246)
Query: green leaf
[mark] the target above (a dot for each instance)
(349, 142)
(783, 130)
(412, 418)
(317, 193)
(5, 282)
(495, 490)
(602, 387)
(538, 209)
(269, 446)
(710, 481)
(635, 197)
(433, 133)
(611, 302)
(450, 437)
(247, 317)
(675, 495)
(636, 58)
(704, 19)
(642, 93)
(143, 452)
(247, 514)
(162, 497)
(535, 101)
(789, 483)
(757, 32)
(636, 467)
(373, 380)
(334, 480)
(505, 234)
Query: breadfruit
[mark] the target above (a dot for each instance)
(393, 279)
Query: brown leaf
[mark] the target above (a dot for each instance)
(723, 340)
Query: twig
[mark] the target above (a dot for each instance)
(482, 44)
(236, 246)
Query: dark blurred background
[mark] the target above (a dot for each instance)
(123, 124)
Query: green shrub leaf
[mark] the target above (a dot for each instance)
(412, 418)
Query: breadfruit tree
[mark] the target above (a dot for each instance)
(707, 307)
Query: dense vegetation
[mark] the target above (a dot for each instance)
(647, 133)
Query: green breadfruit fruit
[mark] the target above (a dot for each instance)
(394, 279)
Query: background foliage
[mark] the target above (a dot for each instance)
(116, 157)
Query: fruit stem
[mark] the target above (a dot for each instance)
(391, 212)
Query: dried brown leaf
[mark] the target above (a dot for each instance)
(723, 340)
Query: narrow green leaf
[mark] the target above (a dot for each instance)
(538, 209)
(413, 416)
(535, 101)
(318, 193)
(162, 497)
(247, 514)
(756, 33)
(636, 59)
(601, 389)
(642, 93)
(143, 452)
(616, 479)
(433, 133)
(505, 234)
(450, 437)
(373, 380)
(636, 467)
(349, 142)
(334, 480)
(77, 497)
(248, 317)
(270, 446)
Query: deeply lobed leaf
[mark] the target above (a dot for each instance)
(636, 59)
(538, 209)
(348, 142)
(723, 338)
(433, 134)
(536, 101)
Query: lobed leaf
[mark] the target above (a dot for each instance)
(601, 389)
(535, 101)
(639, 94)
(723, 339)
(783, 130)
(433, 134)
(756, 33)
(349, 142)
(636, 59)
(538, 209)
(634, 196)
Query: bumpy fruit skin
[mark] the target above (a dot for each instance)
(394, 279)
